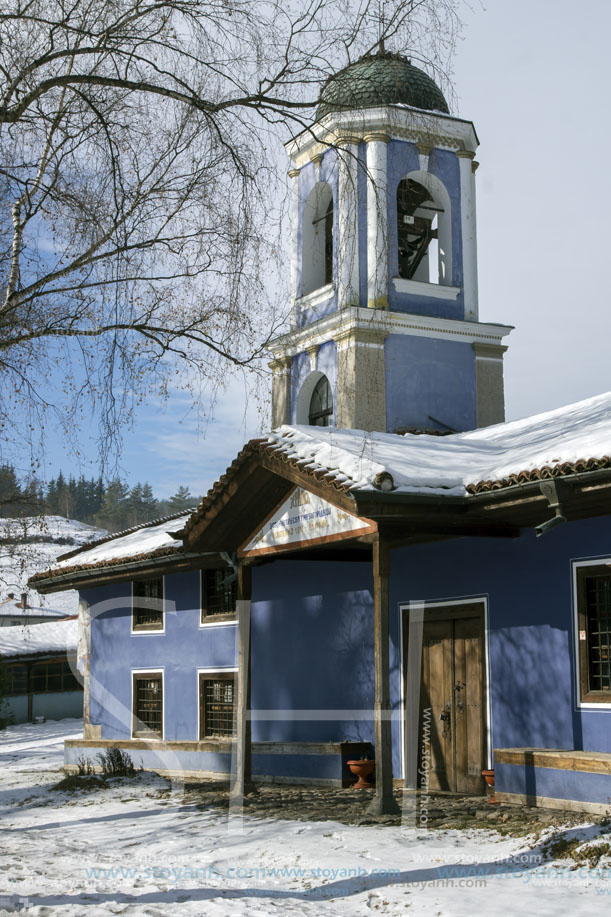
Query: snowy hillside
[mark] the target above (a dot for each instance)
(32, 544)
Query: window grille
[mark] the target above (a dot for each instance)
(148, 604)
(598, 627)
(217, 699)
(148, 705)
(219, 592)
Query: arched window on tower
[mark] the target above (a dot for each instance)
(321, 404)
(317, 239)
(418, 223)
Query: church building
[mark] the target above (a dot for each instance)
(394, 571)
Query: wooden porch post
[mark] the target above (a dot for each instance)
(383, 803)
(243, 778)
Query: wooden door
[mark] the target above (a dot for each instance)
(452, 719)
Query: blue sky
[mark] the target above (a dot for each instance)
(533, 76)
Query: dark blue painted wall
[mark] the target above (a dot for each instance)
(557, 784)
(312, 642)
(427, 377)
(184, 648)
(312, 649)
(530, 603)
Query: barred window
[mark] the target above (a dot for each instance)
(219, 592)
(148, 704)
(217, 705)
(147, 604)
(48, 677)
(594, 609)
(17, 678)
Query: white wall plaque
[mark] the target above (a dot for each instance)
(305, 519)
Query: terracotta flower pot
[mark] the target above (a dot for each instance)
(362, 770)
(488, 776)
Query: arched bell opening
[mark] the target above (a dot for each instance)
(317, 239)
(424, 230)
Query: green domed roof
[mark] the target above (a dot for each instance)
(380, 79)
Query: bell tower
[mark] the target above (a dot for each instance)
(384, 332)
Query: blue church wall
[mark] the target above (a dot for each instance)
(308, 178)
(552, 783)
(428, 378)
(300, 370)
(527, 582)
(312, 649)
(402, 159)
(180, 651)
(326, 362)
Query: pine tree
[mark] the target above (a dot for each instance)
(114, 512)
(136, 508)
(10, 491)
(149, 503)
(181, 500)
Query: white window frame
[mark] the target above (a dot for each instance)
(148, 670)
(213, 670)
(145, 632)
(210, 622)
(314, 239)
(575, 566)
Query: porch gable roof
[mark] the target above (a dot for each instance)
(484, 481)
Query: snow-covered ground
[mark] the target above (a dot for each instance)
(26, 554)
(140, 847)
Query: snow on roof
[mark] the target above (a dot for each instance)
(31, 639)
(142, 541)
(458, 463)
(11, 609)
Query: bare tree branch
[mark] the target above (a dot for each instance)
(140, 185)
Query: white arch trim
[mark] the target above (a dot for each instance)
(313, 237)
(305, 396)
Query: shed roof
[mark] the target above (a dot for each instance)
(38, 639)
(11, 608)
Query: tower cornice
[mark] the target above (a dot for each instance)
(397, 122)
(372, 324)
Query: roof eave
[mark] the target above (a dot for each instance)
(116, 572)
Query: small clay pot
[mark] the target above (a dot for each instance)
(362, 770)
(488, 776)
